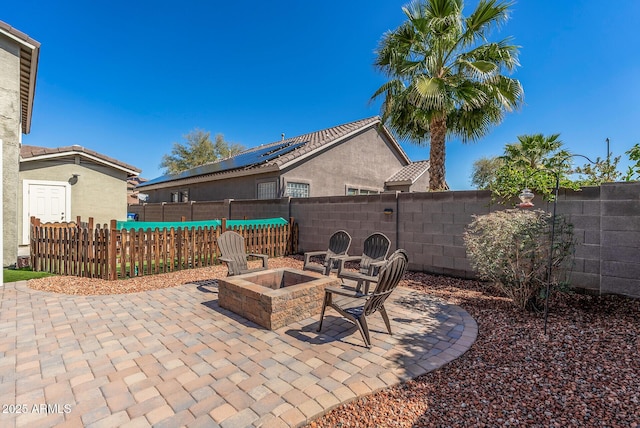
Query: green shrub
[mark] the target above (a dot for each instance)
(511, 249)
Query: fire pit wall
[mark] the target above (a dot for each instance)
(274, 298)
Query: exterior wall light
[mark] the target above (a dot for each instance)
(388, 211)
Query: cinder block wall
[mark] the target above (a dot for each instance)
(263, 208)
(360, 216)
(430, 226)
(582, 209)
(620, 239)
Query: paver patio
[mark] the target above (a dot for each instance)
(173, 357)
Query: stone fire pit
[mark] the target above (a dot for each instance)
(276, 297)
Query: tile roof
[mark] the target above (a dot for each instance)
(307, 143)
(409, 173)
(35, 152)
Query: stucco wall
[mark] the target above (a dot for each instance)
(10, 134)
(236, 188)
(99, 192)
(364, 161)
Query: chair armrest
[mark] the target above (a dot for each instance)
(308, 255)
(224, 259)
(344, 259)
(344, 292)
(374, 266)
(264, 258)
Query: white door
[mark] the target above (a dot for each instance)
(48, 201)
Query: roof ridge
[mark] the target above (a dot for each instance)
(29, 151)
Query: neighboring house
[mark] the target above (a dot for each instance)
(133, 195)
(360, 157)
(59, 184)
(19, 55)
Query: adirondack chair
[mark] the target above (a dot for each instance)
(234, 254)
(338, 246)
(356, 307)
(375, 251)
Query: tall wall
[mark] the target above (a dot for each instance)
(620, 239)
(10, 136)
(430, 227)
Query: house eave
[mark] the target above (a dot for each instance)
(130, 172)
(209, 177)
(29, 55)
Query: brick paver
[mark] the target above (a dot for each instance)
(174, 357)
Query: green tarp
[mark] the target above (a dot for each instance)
(131, 225)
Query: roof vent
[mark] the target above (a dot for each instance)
(282, 135)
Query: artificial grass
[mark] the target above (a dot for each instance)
(13, 275)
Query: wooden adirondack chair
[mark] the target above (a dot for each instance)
(234, 254)
(339, 244)
(356, 307)
(375, 251)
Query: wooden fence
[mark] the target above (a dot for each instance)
(82, 249)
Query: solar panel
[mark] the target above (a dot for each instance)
(254, 157)
(243, 160)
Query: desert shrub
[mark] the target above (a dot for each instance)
(511, 249)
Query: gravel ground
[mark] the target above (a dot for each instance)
(584, 373)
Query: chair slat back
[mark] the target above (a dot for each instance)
(339, 244)
(376, 248)
(389, 278)
(232, 246)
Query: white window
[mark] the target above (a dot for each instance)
(355, 191)
(298, 190)
(267, 190)
(174, 196)
(185, 196)
(369, 192)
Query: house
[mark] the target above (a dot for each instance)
(59, 184)
(19, 55)
(133, 195)
(360, 157)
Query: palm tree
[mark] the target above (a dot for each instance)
(535, 151)
(533, 161)
(445, 76)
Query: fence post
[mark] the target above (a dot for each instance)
(290, 244)
(113, 274)
(35, 256)
(223, 226)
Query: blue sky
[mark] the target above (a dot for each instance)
(129, 78)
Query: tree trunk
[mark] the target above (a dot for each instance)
(436, 155)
